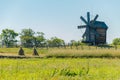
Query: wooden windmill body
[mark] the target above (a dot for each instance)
(95, 32)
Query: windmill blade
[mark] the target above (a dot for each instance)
(82, 26)
(86, 33)
(95, 18)
(84, 20)
(88, 17)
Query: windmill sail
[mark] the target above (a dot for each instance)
(82, 26)
(83, 20)
(88, 17)
(95, 18)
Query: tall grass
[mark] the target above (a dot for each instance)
(59, 69)
(87, 52)
(93, 53)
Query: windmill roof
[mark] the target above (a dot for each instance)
(100, 24)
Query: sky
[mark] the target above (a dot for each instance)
(59, 18)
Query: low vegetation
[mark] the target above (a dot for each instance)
(84, 52)
(58, 63)
(60, 69)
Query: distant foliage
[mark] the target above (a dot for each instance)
(8, 37)
(27, 37)
(116, 41)
(55, 42)
(39, 39)
(30, 38)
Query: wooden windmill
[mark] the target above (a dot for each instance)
(95, 32)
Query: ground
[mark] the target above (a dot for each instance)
(88, 63)
(60, 69)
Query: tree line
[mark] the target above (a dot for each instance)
(30, 38)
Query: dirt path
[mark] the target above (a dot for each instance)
(10, 55)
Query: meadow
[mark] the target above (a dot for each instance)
(79, 52)
(60, 69)
(88, 63)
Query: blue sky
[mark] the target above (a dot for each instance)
(59, 17)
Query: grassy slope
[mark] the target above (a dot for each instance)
(60, 69)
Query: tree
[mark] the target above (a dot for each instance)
(27, 37)
(55, 42)
(39, 40)
(116, 41)
(8, 37)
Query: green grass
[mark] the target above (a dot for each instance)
(60, 69)
(87, 52)
(90, 63)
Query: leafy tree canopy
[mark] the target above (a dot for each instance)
(116, 41)
(8, 36)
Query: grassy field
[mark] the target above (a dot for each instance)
(87, 52)
(60, 69)
(88, 63)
